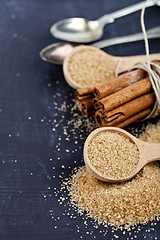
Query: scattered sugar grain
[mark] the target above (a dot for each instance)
(13, 16)
(125, 204)
(151, 133)
(15, 35)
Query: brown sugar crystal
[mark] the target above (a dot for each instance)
(113, 154)
(128, 203)
(124, 204)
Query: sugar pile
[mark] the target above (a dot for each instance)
(128, 203)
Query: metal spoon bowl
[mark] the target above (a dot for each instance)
(148, 152)
(77, 30)
(56, 53)
(82, 30)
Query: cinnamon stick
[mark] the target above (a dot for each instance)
(108, 87)
(95, 103)
(120, 101)
(84, 93)
(100, 120)
(134, 118)
(126, 94)
(87, 108)
(130, 108)
(102, 123)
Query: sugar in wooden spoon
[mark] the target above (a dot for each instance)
(113, 155)
(87, 65)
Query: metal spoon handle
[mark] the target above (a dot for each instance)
(152, 33)
(108, 18)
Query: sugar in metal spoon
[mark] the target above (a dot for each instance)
(148, 152)
(82, 30)
(56, 53)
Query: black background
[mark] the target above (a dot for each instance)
(31, 95)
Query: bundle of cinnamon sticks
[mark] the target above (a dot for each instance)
(120, 101)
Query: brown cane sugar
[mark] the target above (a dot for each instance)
(113, 154)
(151, 133)
(87, 66)
(128, 203)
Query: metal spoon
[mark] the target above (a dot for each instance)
(148, 152)
(56, 53)
(81, 30)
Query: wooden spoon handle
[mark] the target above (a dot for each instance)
(149, 152)
(154, 152)
(128, 62)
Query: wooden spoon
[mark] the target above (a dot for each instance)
(148, 152)
(87, 65)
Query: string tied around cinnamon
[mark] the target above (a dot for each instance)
(154, 73)
(150, 67)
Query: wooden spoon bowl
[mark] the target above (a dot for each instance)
(148, 152)
(87, 65)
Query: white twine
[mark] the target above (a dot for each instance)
(152, 68)
(152, 72)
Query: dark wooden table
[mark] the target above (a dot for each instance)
(36, 118)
